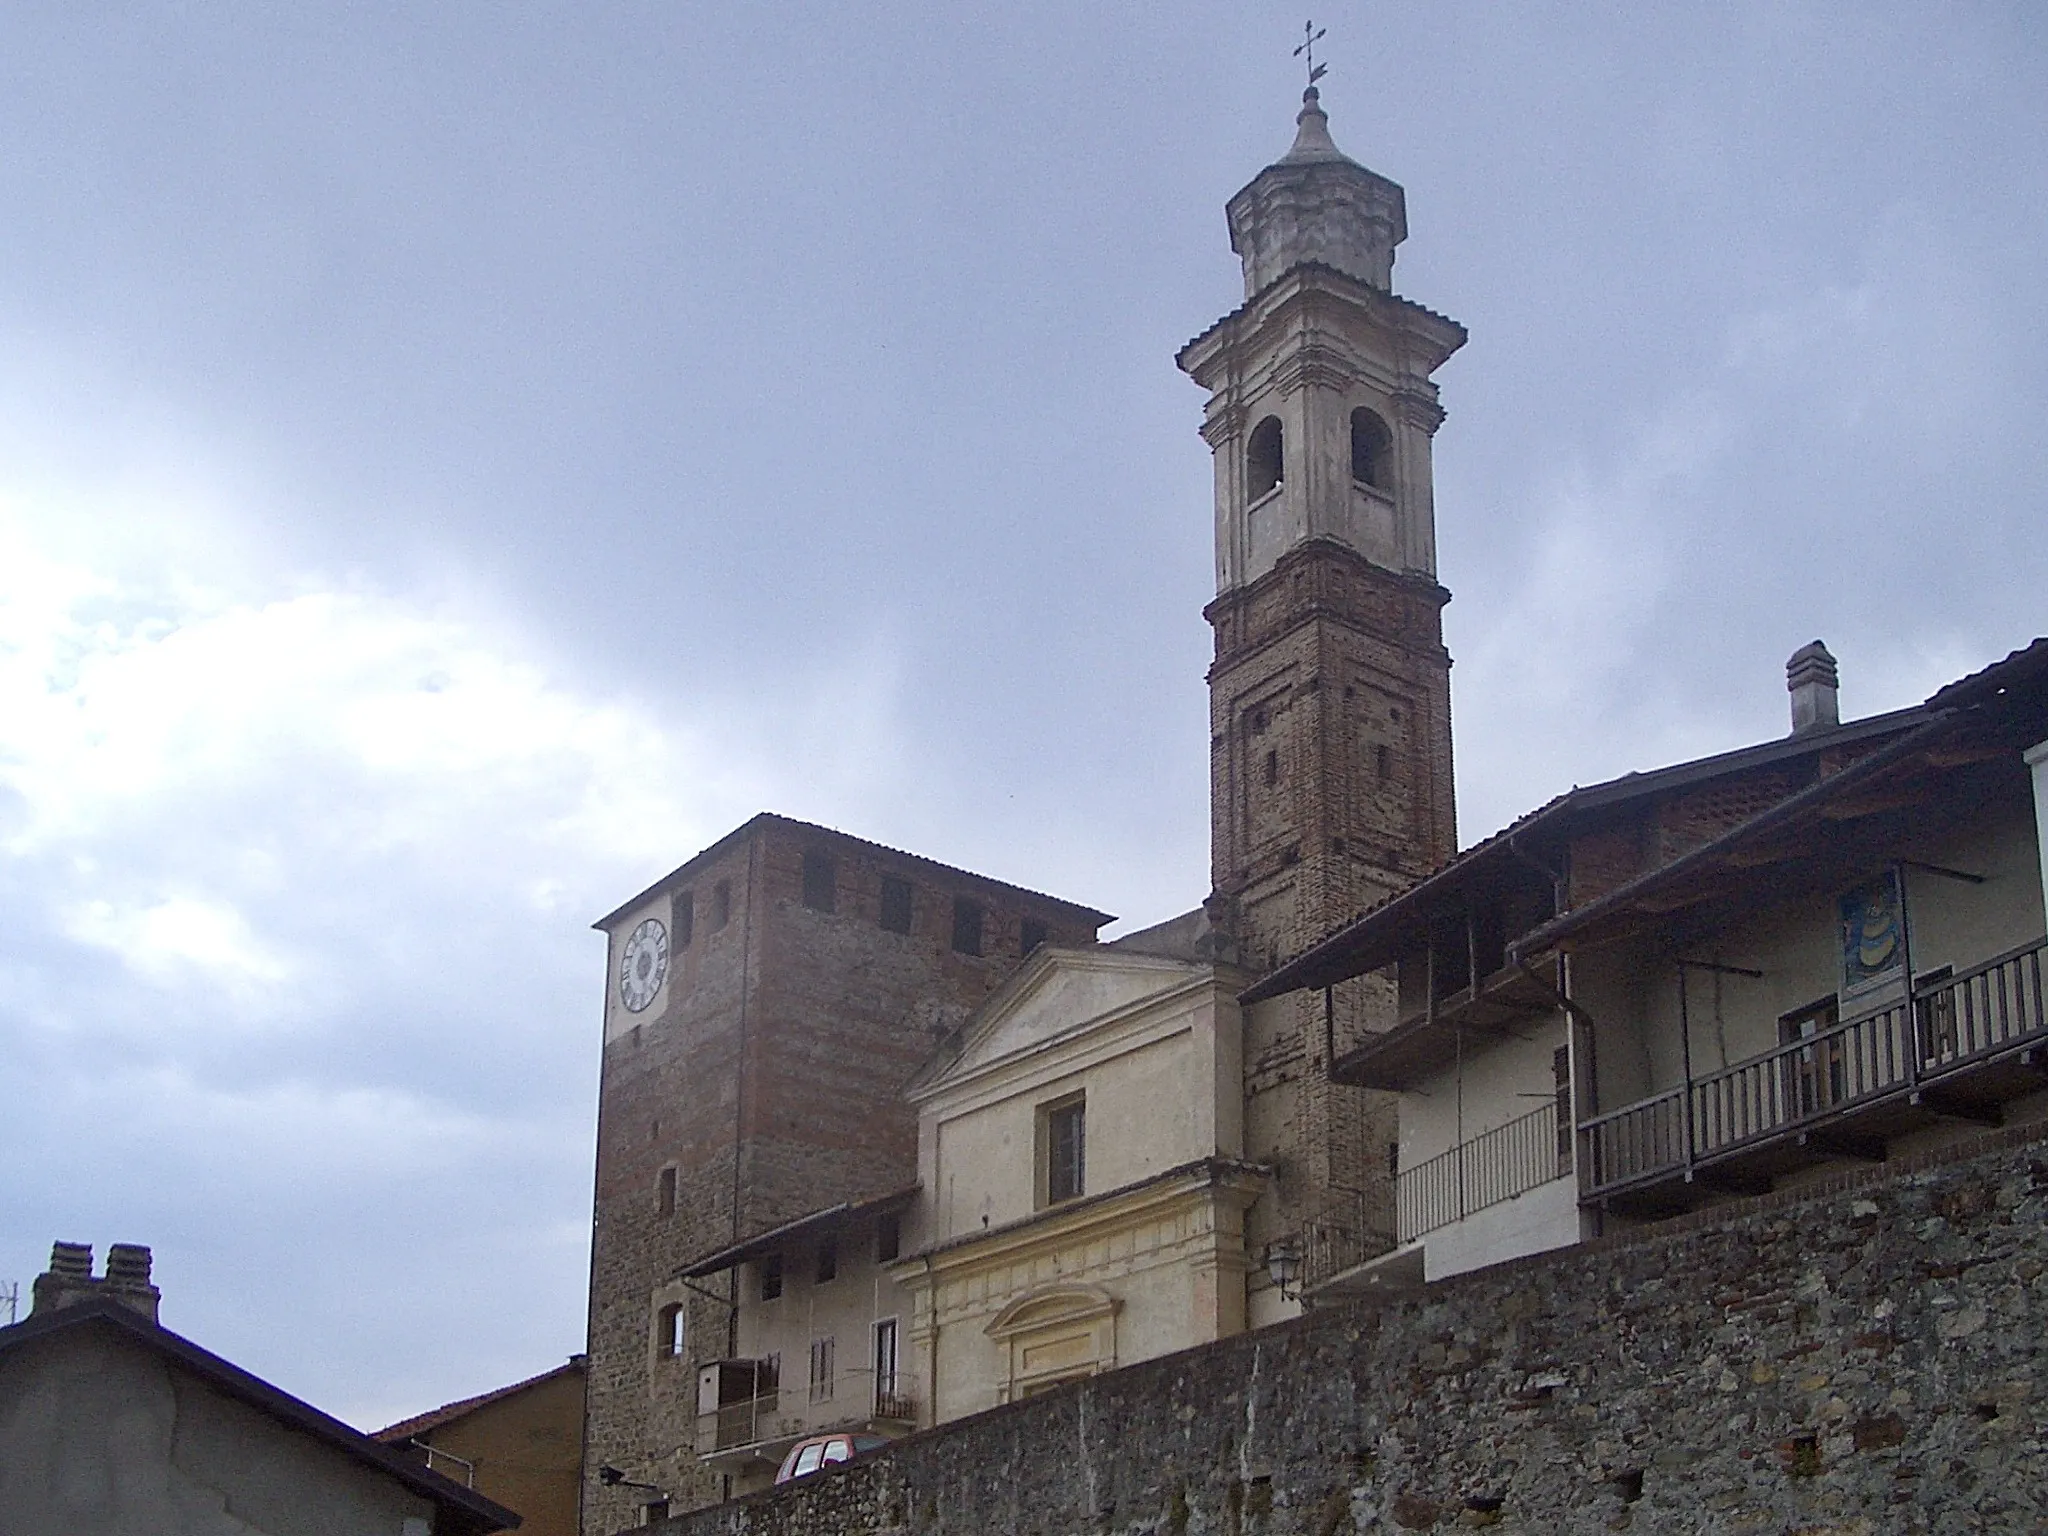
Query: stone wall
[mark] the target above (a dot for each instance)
(1856, 1358)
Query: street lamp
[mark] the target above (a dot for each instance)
(1283, 1263)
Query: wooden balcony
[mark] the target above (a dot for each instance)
(1958, 1050)
(1419, 1047)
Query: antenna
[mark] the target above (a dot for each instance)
(10, 1301)
(1311, 34)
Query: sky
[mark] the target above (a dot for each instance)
(456, 461)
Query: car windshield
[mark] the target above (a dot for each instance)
(807, 1460)
(838, 1450)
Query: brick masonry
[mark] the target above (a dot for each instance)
(770, 1082)
(1331, 789)
(1862, 1357)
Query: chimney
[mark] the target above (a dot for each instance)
(70, 1279)
(1813, 682)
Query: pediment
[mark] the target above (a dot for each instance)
(1061, 993)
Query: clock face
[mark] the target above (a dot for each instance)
(644, 965)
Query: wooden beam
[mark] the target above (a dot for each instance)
(1936, 1102)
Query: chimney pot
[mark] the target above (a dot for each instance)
(1815, 685)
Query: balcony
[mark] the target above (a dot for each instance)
(761, 1427)
(1491, 1168)
(1958, 1050)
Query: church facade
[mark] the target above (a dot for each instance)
(796, 1021)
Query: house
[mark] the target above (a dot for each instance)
(1714, 979)
(520, 1446)
(111, 1424)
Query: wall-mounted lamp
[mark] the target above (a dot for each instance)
(1283, 1263)
(612, 1477)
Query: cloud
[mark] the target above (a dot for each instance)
(297, 880)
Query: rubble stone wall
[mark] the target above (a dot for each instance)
(1862, 1356)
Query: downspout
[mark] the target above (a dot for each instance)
(739, 1097)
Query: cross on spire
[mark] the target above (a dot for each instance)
(1311, 34)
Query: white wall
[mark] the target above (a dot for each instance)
(1545, 1217)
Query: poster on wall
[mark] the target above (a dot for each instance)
(1873, 938)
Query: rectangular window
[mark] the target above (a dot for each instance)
(885, 1366)
(821, 1369)
(821, 882)
(771, 1277)
(966, 926)
(1030, 935)
(895, 904)
(721, 905)
(1063, 1133)
(828, 1262)
(669, 1331)
(653, 1510)
(685, 905)
(665, 1192)
(888, 1238)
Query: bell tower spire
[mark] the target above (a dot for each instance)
(1330, 729)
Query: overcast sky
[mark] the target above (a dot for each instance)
(457, 460)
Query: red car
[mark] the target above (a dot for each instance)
(821, 1451)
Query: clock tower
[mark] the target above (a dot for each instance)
(1330, 723)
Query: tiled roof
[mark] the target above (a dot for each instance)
(765, 818)
(405, 1429)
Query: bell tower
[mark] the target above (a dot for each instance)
(1330, 734)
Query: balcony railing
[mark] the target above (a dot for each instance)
(738, 1423)
(1934, 1035)
(1495, 1166)
(1348, 1228)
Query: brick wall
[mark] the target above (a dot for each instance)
(1861, 1358)
(771, 1082)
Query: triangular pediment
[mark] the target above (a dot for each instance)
(1059, 994)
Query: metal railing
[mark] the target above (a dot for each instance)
(895, 1406)
(1492, 1167)
(738, 1423)
(1348, 1228)
(1931, 1035)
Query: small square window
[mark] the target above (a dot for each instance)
(821, 882)
(771, 1277)
(721, 905)
(895, 904)
(685, 905)
(1030, 935)
(966, 926)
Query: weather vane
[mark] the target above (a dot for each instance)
(1311, 34)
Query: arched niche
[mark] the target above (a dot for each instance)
(1054, 1335)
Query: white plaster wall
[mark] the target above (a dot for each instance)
(844, 1309)
(1167, 1093)
(1545, 1217)
(101, 1436)
(1504, 1079)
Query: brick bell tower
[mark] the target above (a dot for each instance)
(1330, 725)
